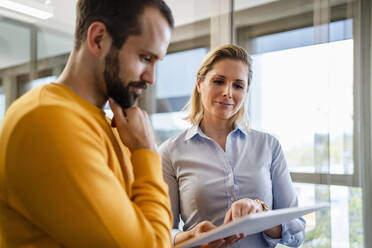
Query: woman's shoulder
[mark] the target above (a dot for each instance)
(173, 142)
(261, 136)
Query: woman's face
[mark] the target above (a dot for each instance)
(223, 89)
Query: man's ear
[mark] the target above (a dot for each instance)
(98, 39)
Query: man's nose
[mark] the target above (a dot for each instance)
(149, 74)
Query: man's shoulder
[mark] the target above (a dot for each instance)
(41, 96)
(42, 104)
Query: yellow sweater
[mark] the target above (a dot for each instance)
(66, 181)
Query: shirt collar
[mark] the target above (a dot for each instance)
(195, 130)
(242, 128)
(192, 131)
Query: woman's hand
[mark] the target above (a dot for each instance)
(204, 227)
(248, 206)
(242, 208)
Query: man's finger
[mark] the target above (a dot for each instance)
(118, 111)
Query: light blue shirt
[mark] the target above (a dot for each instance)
(204, 180)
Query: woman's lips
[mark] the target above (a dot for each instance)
(225, 104)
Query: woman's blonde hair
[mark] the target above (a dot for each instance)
(194, 106)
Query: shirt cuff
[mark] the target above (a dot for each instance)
(174, 232)
(288, 238)
(293, 233)
(270, 241)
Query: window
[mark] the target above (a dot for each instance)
(299, 95)
(41, 81)
(176, 76)
(303, 93)
(341, 225)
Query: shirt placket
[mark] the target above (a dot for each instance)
(232, 184)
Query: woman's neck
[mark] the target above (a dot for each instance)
(217, 129)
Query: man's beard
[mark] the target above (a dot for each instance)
(116, 87)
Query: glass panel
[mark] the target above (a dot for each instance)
(176, 73)
(339, 226)
(2, 104)
(14, 44)
(191, 11)
(314, 123)
(176, 76)
(302, 88)
(302, 92)
(167, 125)
(52, 44)
(52, 54)
(40, 82)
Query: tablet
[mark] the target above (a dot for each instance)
(252, 224)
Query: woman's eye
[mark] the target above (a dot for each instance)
(218, 81)
(238, 86)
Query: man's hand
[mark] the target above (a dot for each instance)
(134, 127)
(204, 227)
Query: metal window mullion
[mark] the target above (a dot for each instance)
(33, 53)
(324, 178)
(363, 61)
(221, 23)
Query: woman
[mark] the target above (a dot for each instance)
(219, 170)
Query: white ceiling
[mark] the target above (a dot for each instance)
(15, 40)
(184, 11)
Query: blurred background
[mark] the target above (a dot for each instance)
(311, 87)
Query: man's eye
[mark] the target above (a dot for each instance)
(146, 58)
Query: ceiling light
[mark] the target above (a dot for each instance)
(30, 8)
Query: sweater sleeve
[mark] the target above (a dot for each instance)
(58, 178)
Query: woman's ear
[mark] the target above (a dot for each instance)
(198, 85)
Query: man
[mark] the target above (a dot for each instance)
(67, 178)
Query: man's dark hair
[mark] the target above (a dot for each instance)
(121, 17)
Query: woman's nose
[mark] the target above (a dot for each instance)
(227, 91)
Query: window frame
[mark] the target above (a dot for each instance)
(361, 11)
